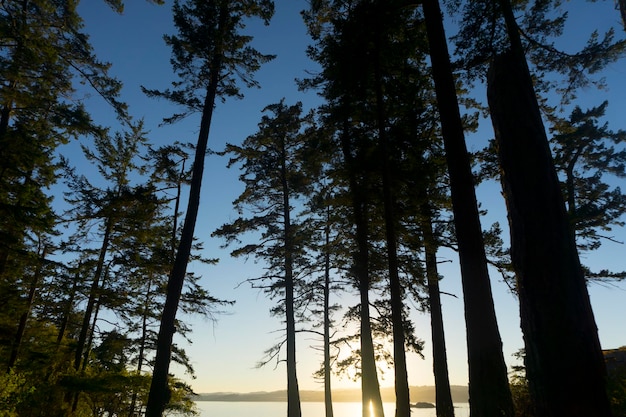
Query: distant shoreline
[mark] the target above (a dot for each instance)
(418, 393)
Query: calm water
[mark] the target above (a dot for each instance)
(278, 409)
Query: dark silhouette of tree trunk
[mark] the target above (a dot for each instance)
(21, 328)
(142, 346)
(81, 345)
(159, 392)
(622, 11)
(209, 55)
(401, 381)
(443, 396)
(370, 388)
(293, 393)
(488, 382)
(556, 315)
(328, 396)
(68, 309)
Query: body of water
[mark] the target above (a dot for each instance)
(309, 409)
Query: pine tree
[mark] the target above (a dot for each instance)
(554, 303)
(489, 390)
(274, 183)
(584, 153)
(208, 54)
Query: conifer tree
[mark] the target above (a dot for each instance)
(585, 152)
(210, 56)
(43, 54)
(516, 38)
(488, 381)
(554, 303)
(272, 165)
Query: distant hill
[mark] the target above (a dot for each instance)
(421, 393)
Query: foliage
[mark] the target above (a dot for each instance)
(14, 390)
(276, 178)
(585, 154)
(482, 36)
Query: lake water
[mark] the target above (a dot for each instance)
(309, 409)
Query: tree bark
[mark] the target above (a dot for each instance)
(370, 388)
(488, 381)
(443, 396)
(17, 343)
(328, 396)
(159, 395)
(556, 316)
(293, 393)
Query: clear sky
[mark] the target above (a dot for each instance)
(224, 353)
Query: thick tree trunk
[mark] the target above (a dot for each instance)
(370, 388)
(159, 395)
(488, 381)
(622, 11)
(443, 396)
(564, 362)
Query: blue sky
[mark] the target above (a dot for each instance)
(225, 353)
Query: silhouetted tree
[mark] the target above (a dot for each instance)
(488, 382)
(584, 153)
(555, 308)
(209, 55)
(275, 180)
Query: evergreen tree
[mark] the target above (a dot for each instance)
(274, 182)
(488, 382)
(584, 153)
(115, 159)
(42, 54)
(555, 309)
(340, 83)
(209, 53)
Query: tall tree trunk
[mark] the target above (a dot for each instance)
(401, 381)
(159, 395)
(293, 393)
(93, 295)
(488, 381)
(443, 396)
(17, 343)
(328, 396)
(142, 345)
(370, 388)
(556, 315)
(92, 328)
(68, 310)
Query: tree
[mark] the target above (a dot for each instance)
(43, 54)
(555, 308)
(115, 159)
(339, 84)
(274, 182)
(488, 382)
(584, 153)
(208, 55)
